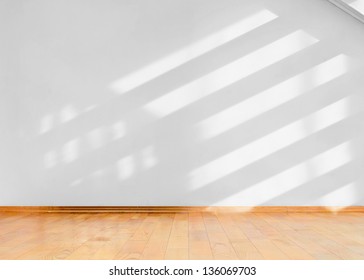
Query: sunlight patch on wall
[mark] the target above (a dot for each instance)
(272, 97)
(125, 167)
(99, 173)
(118, 130)
(340, 198)
(70, 151)
(149, 158)
(76, 182)
(295, 176)
(46, 124)
(192, 51)
(269, 144)
(96, 138)
(67, 114)
(230, 73)
(50, 159)
(89, 108)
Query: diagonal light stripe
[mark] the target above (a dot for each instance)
(192, 51)
(269, 144)
(295, 176)
(272, 97)
(230, 73)
(342, 197)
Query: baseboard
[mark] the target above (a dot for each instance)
(176, 209)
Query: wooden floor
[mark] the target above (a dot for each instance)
(182, 236)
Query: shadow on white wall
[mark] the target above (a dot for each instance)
(244, 104)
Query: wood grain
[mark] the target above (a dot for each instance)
(182, 235)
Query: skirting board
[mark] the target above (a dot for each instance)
(175, 209)
(350, 10)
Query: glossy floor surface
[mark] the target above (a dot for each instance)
(182, 236)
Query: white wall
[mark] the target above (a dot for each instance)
(159, 102)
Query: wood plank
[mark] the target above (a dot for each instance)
(243, 247)
(158, 241)
(177, 247)
(132, 249)
(265, 246)
(313, 248)
(199, 244)
(220, 244)
(182, 235)
(287, 246)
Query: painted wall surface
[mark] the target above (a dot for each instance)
(185, 102)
